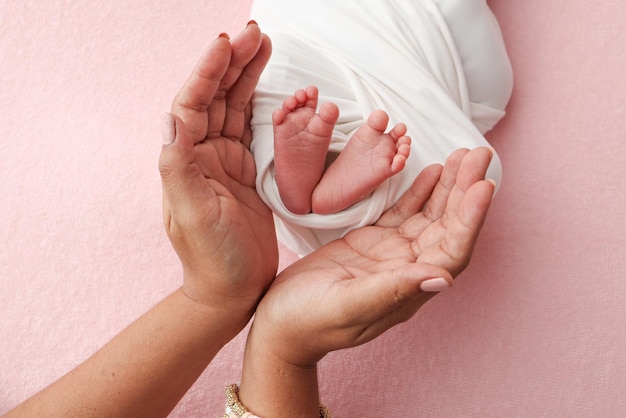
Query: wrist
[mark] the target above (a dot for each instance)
(234, 302)
(274, 387)
(222, 321)
(235, 409)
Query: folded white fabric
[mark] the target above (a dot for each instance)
(397, 56)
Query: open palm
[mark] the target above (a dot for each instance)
(353, 289)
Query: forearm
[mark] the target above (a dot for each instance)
(146, 369)
(271, 387)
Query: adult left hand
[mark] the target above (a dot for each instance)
(221, 230)
(353, 289)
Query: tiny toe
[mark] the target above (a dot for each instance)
(404, 150)
(398, 131)
(301, 96)
(398, 163)
(289, 104)
(403, 140)
(378, 120)
(278, 116)
(312, 92)
(329, 112)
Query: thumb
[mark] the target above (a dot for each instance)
(177, 142)
(389, 297)
(179, 174)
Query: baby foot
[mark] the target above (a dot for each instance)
(301, 139)
(370, 157)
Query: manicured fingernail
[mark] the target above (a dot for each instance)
(224, 35)
(252, 22)
(168, 129)
(434, 285)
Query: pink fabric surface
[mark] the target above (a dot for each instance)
(532, 328)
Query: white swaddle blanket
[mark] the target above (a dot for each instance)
(397, 56)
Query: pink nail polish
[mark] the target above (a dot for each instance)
(435, 285)
(168, 129)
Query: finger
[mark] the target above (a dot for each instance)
(198, 92)
(438, 201)
(246, 137)
(251, 51)
(244, 47)
(442, 208)
(414, 199)
(377, 296)
(461, 234)
(473, 168)
(240, 93)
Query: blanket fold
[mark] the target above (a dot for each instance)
(397, 56)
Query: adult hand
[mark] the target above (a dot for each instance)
(353, 289)
(221, 230)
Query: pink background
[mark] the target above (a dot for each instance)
(533, 328)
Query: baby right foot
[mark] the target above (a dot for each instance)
(369, 158)
(301, 140)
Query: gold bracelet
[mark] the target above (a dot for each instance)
(324, 412)
(233, 406)
(232, 402)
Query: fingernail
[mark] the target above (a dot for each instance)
(435, 285)
(168, 129)
(252, 22)
(224, 35)
(492, 181)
